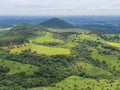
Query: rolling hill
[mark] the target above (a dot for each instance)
(33, 57)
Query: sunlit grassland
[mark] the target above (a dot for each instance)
(113, 44)
(70, 45)
(79, 83)
(93, 37)
(111, 60)
(16, 67)
(40, 49)
(91, 69)
(5, 29)
(47, 38)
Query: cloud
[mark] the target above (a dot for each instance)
(116, 2)
(41, 7)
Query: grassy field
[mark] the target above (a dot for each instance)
(91, 69)
(111, 60)
(93, 37)
(16, 67)
(49, 50)
(70, 45)
(79, 83)
(5, 29)
(113, 44)
(47, 38)
(40, 49)
(90, 37)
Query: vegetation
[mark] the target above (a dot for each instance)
(79, 83)
(33, 57)
(16, 67)
(57, 23)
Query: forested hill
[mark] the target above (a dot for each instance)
(57, 23)
(34, 58)
(102, 27)
(108, 27)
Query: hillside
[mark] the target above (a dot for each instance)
(57, 23)
(33, 57)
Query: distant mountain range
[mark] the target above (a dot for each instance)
(102, 24)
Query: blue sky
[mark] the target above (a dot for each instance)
(59, 7)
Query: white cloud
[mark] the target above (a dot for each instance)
(116, 2)
(41, 7)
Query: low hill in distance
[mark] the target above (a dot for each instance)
(57, 23)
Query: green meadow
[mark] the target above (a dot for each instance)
(91, 69)
(5, 29)
(16, 67)
(111, 60)
(47, 38)
(113, 44)
(42, 49)
(79, 83)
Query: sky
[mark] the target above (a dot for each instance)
(59, 7)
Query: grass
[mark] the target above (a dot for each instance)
(81, 37)
(113, 44)
(111, 60)
(5, 29)
(91, 69)
(16, 67)
(70, 45)
(47, 38)
(20, 49)
(40, 49)
(79, 83)
(93, 37)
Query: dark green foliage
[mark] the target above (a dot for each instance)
(11, 40)
(50, 44)
(26, 30)
(111, 38)
(102, 27)
(4, 69)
